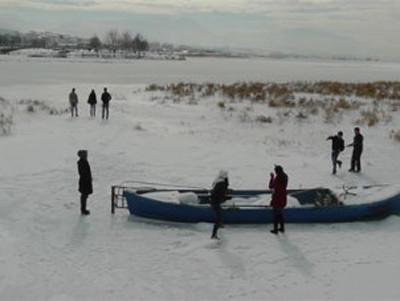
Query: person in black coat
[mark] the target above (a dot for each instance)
(337, 148)
(219, 195)
(357, 145)
(85, 180)
(105, 98)
(92, 101)
(73, 101)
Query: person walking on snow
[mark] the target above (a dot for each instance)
(92, 101)
(73, 102)
(357, 145)
(105, 98)
(85, 180)
(337, 148)
(278, 183)
(219, 195)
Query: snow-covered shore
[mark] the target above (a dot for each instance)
(50, 252)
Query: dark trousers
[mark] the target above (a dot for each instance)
(105, 111)
(84, 198)
(218, 218)
(335, 160)
(92, 110)
(356, 161)
(278, 219)
(74, 109)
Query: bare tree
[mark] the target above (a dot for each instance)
(140, 44)
(95, 43)
(38, 42)
(112, 40)
(144, 45)
(127, 41)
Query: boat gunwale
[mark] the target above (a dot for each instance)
(240, 206)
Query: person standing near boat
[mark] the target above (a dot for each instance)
(85, 180)
(73, 102)
(105, 98)
(92, 101)
(278, 183)
(219, 195)
(337, 148)
(357, 145)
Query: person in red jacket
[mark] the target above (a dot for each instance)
(278, 183)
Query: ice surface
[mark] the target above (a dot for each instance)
(49, 252)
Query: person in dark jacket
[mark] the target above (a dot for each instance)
(337, 148)
(92, 101)
(105, 98)
(73, 102)
(357, 145)
(278, 183)
(219, 195)
(85, 180)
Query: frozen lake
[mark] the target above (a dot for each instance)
(40, 71)
(50, 252)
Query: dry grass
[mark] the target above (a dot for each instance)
(301, 115)
(374, 116)
(221, 104)
(257, 91)
(300, 99)
(369, 118)
(6, 117)
(154, 87)
(395, 135)
(264, 119)
(33, 106)
(6, 122)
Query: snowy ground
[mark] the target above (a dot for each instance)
(50, 252)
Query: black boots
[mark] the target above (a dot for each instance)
(275, 231)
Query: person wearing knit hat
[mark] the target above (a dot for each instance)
(219, 195)
(85, 180)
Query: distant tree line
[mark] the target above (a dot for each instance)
(16, 40)
(10, 39)
(115, 41)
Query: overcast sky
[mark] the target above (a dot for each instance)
(327, 27)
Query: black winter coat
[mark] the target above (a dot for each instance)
(358, 143)
(92, 98)
(85, 177)
(105, 98)
(337, 143)
(219, 192)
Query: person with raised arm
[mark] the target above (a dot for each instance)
(278, 183)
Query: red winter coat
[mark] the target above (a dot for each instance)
(278, 185)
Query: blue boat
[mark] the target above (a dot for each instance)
(313, 208)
